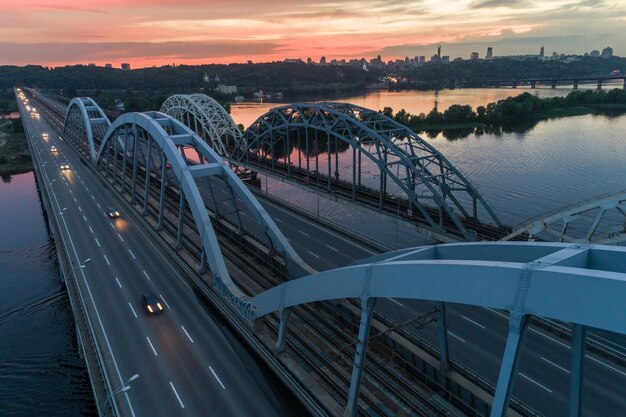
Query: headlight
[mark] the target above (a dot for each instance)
(150, 309)
(159, 305)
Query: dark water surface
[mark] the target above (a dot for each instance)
(41, 372)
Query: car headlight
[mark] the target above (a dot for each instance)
(150, 309)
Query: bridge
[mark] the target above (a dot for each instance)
(192, 231)
(554, 81)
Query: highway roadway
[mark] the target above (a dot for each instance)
(188, 362)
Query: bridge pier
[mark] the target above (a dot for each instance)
(575, 84)
(442, 332)
(508, 367)
(279, 347)
(599, 87)
(577, 361)
(624, 87)
(367, 309)
(553, 84)
(533, 84)
(162, 193)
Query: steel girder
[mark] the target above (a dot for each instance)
(207, 117)
(419, 170)
(580, 284)
(601, 220)
(85, 118)
(171, 136)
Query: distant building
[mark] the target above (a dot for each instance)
(227, 89)
(249, 62)
(474, 56)
(542, 51)
(445, 58)
(125, 66)
(323, 60)
(607, 52)
(594, 53)
(309, 61)
(489, 53)
(293, 61)
(91, 64)
(422, 59)
(108, 66)
(434, 58)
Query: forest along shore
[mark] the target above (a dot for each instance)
(14, 154)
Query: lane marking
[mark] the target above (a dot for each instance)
(93, 198)
(99, 206)
(455, 336)
(304, 233)
(154, 351)
(606, 364)
(84, 217)
(75, 200)
(97, 243)
(112, 226)
(554, 364)
(498, 313)
(278, 220)
(394, 301)
(473, 322)
(162, 298)
(80, 209)
(331, 248)
(217, 377)
(132, 254)
(90, 229)
(146, 274)
(118, 282)
(243, 213)
(106, 259)
(313, 254)
(534, 382)
(550, 338)
(183, 327)
(177, 397)
(132, 309)
(120, 236)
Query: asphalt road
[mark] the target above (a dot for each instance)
(188, 362)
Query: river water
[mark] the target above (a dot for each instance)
(555, 163)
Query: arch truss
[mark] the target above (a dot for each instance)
(581, 284)
(207, 118)
(172, 174)
(85, 125)
(367, 150)
(601, 220)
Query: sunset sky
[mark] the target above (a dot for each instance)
(157, 32)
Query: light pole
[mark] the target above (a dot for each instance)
(318, 194)
(125, 387)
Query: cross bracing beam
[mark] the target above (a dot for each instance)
(430, 183)
(580, 284)
(206, 117)
(84, 114)
(158, 130)
(601, 220)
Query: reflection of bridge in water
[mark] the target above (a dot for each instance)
(168, 174)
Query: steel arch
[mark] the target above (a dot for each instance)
(207, 117)
(581, 284)
(84, 114)
(581, 222)
(421, 172)
(169, 133)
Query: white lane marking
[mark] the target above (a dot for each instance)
(80, 209)
(90, 229)
(177, 397)
(93, 198)
(132, 309)
(331, 248)
(498, 313)
(534, 382)
(313, 254)
(132, 254)
(99, 205)
(112, 226)
(71, 192)
(455, 336)
(243, 213)
(184, 330)
(394, 301)
(605, 364)
(97, 243)
(304, 233)
(118, 282)
(473, 322)
(154, 351)
(550, 338)
(120, 236)
(75, 200)
(162, 298)
(554, 364)
(217, 377)
(146, 274)
(84, 217)
(278, 220)
(106, 259)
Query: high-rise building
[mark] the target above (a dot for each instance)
(607, 52)
(439, 52)
(108, 66)
(91, 64)
(125, 66)
(489, 53)
(323, 60)
(445, 58)
(309, 61)
(422, 59)
(474, 56)
(541, 51)
(594, 53)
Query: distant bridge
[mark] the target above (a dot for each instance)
(554, 81)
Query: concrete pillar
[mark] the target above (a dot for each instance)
(599, 87)
(279, 347)
(442, 332)
(577, 361)
(367, 308)
(533, 84)
(575, 84)
(508, 367)
(553, 84)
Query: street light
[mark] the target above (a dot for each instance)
(125, 387)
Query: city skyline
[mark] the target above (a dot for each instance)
(145, 33)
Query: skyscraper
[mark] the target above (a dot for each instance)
(489, 53)
(541, 51)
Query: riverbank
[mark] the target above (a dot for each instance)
(14, 154)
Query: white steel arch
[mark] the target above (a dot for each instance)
(207, 117)
(84, 113)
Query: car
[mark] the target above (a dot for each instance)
(65, 166)
(53, 149)
(113, 212)
(152, 303)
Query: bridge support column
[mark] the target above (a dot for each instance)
(367, 309)
(181, 218)
(553, 84)
(146, 190)
(508, 367)
(442, 331)
(599, 87)
(575, 84)
(533, 84)
(576, 367)
(134, 179)
(162, 193)
(279, 347)
(125, 150)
